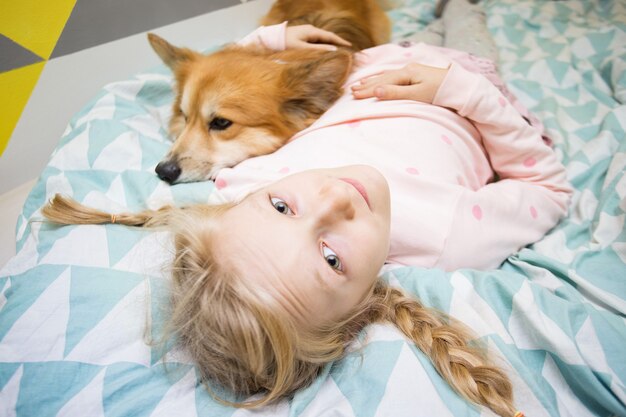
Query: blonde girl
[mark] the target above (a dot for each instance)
(272, 286)
(253, 338)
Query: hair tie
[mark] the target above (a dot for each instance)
(113, 218)
(519, 414)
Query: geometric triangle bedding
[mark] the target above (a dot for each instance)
(81, 306)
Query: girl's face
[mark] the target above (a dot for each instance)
(315, 240)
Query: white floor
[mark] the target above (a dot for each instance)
(67, 83)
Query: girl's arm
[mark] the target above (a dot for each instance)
(280, 37)
(532, 193)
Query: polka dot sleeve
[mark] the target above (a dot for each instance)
(532, 193)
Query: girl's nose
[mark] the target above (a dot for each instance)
(334, 203)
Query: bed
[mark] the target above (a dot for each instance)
(80, 304)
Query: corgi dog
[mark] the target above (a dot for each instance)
(246, 101)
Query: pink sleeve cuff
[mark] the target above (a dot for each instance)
(457, 88)
(271, 37)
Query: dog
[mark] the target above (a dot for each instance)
(246, 101)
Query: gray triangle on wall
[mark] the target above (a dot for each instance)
(13, 55)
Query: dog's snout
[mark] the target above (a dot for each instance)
(168, 171)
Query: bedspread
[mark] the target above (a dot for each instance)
(80, 304)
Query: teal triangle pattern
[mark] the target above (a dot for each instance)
(47, 386)
(453, 401)
(83, 182)
(431, 286)
(514, 35)
(564, 12)
(566, 316)
(93, 293)
(139, 187)
(609, 330)
(530, 372)
(602, 41)
(7, 370)
(498, 292)
(587, 133)
(303, 398)
(370, 372)
(533, 359)
(560, 26)
(125, 238)
(101, 134)
(570, 94)
(589, 388)
(600, 268)
(559, 69)
(37, 196)
(56, 232)
(25, 289)
(582, 113)
(72, 134)
(82, 113)
(127, 110)
(156, 94)
(137, 390)
(552, 48)
(153, 151)
(568, 272)
(522, 67)
(185, 194)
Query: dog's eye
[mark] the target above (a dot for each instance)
(219, 123)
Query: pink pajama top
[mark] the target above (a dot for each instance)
(440, 161)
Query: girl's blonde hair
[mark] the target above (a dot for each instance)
(242, 339)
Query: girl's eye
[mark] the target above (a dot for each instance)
(331, 258)
(281, 206)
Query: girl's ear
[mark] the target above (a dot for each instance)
(169, 54)
(313, 81)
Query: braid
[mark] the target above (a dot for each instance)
(465, 367)
(64, 210)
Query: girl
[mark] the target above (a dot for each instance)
(276, 282)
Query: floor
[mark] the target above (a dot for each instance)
(76, 75)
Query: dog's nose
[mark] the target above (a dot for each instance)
(168, 171)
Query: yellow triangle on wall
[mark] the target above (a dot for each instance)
(15, 89)
(35, 24)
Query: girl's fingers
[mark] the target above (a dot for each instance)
(366, 79)
(398, 77)
(397, 92)
(393, 92)
(366, 89)
(319, 46)
(308, 36)
(324, 36)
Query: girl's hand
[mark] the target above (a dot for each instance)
(309, 36)
(412, 82)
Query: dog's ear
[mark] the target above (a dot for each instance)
(314, 83)
(169, 54)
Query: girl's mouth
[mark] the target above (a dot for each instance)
(359, 187)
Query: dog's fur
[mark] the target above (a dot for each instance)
(241, 102)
